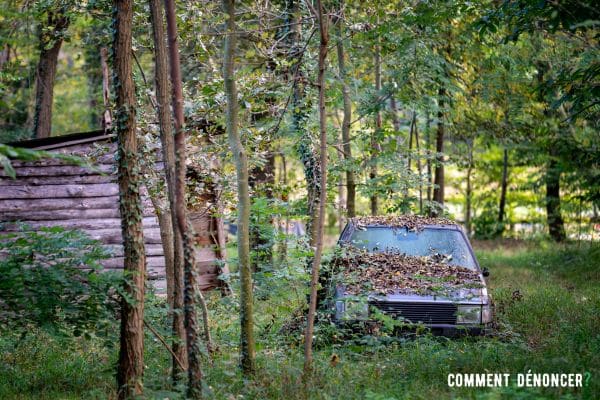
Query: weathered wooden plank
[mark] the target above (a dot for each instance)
(154, 262)
(61, 170)
(59, 191)
(209, 282)
(151, 250)
(159, 285)
(87, 148)
(86, 224)
(58, 180)
(108, 159)
(207, 267)
(95, 153)
(59, 204)
(155, 273)
(113, 236)
(205, 254)
(62, 204)
(67, 214)
(74, 140)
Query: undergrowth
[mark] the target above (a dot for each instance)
(547, 303)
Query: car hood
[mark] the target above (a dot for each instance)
(462, 296)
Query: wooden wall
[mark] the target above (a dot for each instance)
(50, 193)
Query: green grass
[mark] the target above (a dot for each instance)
(548, 312)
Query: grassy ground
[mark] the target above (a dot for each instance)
(548, 312)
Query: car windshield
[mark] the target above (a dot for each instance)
(429, 241)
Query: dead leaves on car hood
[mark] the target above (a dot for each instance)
(393, 272)
(410, 222)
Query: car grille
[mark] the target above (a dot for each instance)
(427, 313)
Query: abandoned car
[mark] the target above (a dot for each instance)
(419, 271)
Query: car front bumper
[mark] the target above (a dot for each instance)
(448, 330)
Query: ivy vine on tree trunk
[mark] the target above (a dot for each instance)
(131, 353)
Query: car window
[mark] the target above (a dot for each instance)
(429, 241)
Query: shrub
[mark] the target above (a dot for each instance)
(51, 279)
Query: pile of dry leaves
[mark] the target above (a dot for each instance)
(410, 222)
(392, 272)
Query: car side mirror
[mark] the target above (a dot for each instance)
(485, 272)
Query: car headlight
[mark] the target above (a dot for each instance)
(486, 314)
(352, 309)
(468, 315)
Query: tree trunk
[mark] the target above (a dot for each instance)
(320, 223)
(341, 192)
(261, 180)
(375, 148)
(93, 72)
(438, 189)
(300, 117)
(106, 115)
(503, 185)
(191, 292)
(4, 55)
(418, 161)
(131, 353)
(427, 151)
(286, 220)
(346, 140)
(172, 242)
(556, 225)
(410, 141)
(50, 43)
(247, 348)
(394, 109)
(469, 192)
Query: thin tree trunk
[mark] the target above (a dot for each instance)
(375, 148)
(261, 180)
(404, 156)
(438, 190)
(172, 241)
(106, 115)
(286, 222)
(191, 292)
(165, 226)
(503, 186)
(346, 139)
(247, 347)
(4, 55)
(556, 225)
(395, 120)
(469, 192)
(340, 187)
(300, 117)
(93, 72)
(131, 353)
(316, 262)
(418, 160)
(50, 43)
(410, 139)
(428, 149)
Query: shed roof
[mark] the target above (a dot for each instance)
(56, 142)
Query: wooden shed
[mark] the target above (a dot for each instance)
(51, 192)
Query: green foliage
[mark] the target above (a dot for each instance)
(485, 224)
(52, 280)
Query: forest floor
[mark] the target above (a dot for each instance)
(548, 305)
